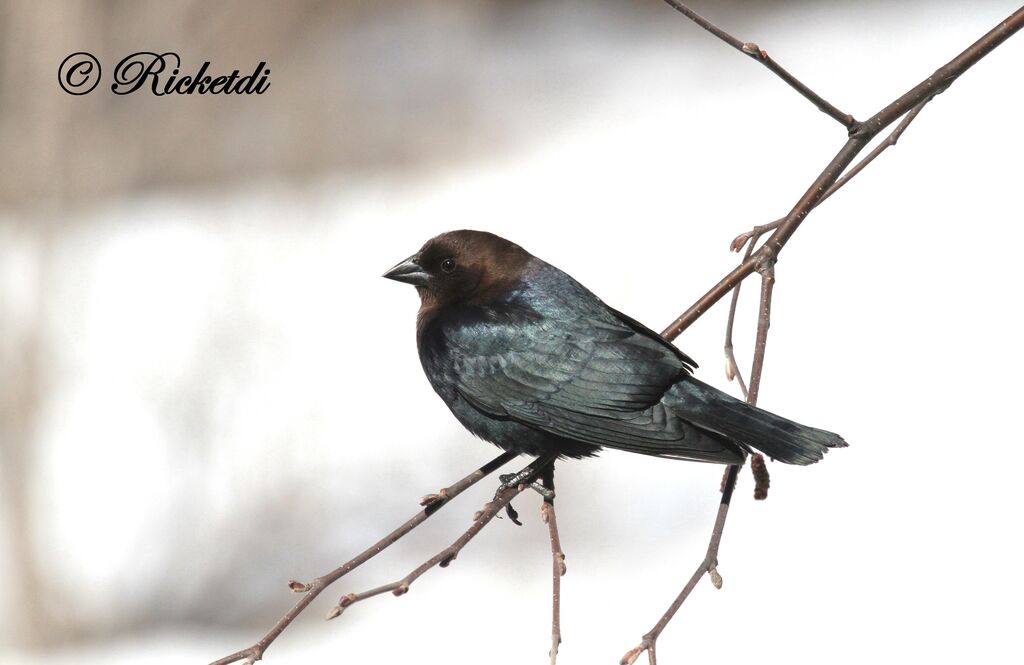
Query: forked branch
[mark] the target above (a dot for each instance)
(763, 261)
(757, 53)
(443, 558)
(432, 503)
(709, 565)
(935, 84)
(753, 235)
(760, 260)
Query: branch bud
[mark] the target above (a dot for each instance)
(716, 579)
(752, 49)
(431, 499)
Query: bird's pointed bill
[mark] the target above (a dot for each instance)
(408, 271)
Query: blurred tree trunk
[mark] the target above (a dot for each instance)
(22, 377)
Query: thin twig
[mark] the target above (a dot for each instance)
(708, 566)
(557, 562)
(753, 235)
(448, 554)
(757, 464)
(889, 141)
(860, 134)
(754, 51)
(764, 319)
(763, 261)
(732, 370)
(433, 503)
(935, 84)
(710, 563)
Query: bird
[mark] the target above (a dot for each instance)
(532, 361)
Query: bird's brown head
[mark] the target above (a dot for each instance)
(462, 267)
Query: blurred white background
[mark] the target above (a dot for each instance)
(206, 389)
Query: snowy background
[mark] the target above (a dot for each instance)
(206, 389)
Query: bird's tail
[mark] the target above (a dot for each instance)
(749, 426)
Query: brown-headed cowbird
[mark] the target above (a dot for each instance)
(530, 360)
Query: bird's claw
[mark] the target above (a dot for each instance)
(509, 480)
(512, 514)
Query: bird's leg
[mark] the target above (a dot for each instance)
(526, 477)
(509, 480)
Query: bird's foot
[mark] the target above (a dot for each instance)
(512, 514)
(509, 480)
(526, 479)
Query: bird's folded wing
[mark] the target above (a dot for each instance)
(593, 380)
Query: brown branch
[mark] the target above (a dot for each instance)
(763, 261)
(448, 554)
(763, 323)
(557, 562)
(753, 235)
(935, 84)
(732, 370)
(432, 503)
(710, 563)
(707, 566)
(754, 51)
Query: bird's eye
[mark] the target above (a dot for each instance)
(448, 265)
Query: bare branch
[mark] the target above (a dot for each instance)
(935, 84)
(732, 370)
(761, 260)
(753, 235)
(709, 566)
(445, 556)
(754, 51)
(763, 323)
(710, 563)
(433, 503)
(557, 562)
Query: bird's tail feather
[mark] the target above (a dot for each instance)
(748, 426)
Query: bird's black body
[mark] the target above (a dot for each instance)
(530, 360)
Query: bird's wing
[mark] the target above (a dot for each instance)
(594, 378)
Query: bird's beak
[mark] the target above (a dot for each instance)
(409, 271)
